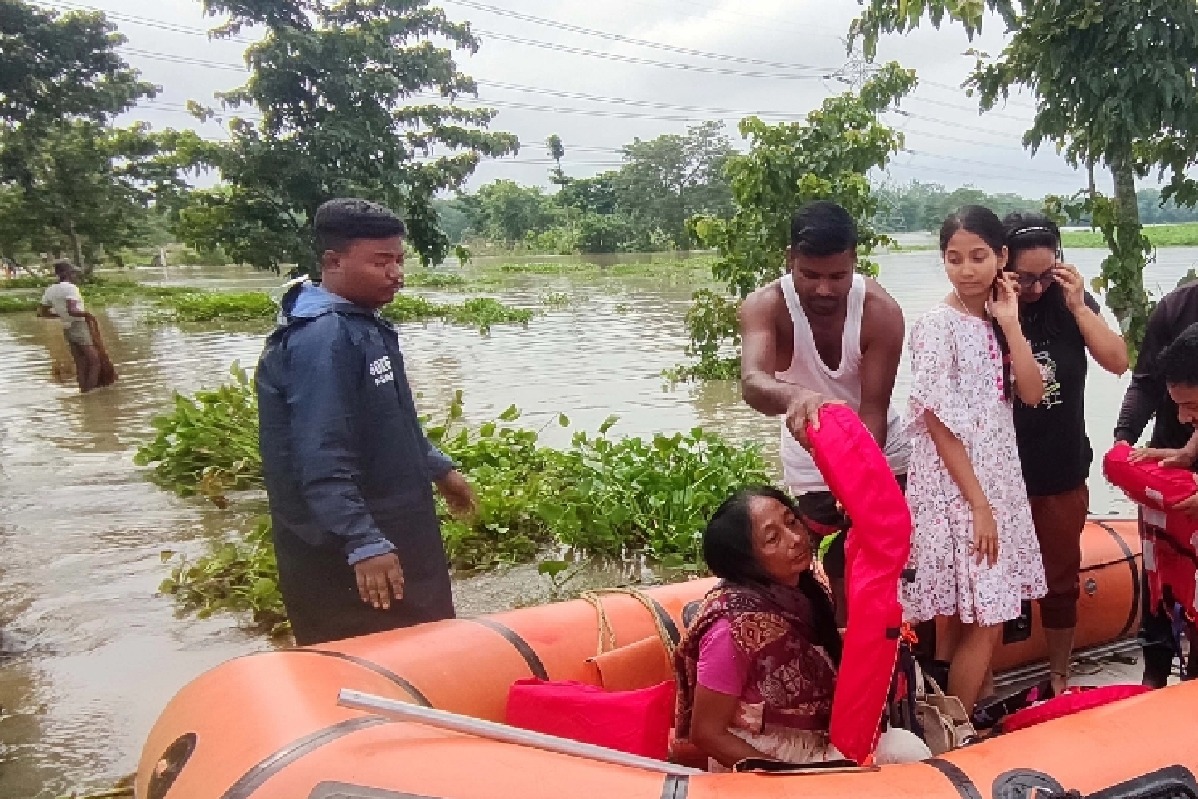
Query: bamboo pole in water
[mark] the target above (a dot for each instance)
(442, 719)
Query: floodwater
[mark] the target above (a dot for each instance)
(90, 653)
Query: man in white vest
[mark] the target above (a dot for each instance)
(820, 334)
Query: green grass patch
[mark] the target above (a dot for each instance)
(480, 313)
(1178, 235)
(179, 304)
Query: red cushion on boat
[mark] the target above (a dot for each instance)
(876, 553)
(637, 722)
(1074, 700)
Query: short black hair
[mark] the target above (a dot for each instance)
(342, 221)
(1179, 361)
(64, 268)
(822, 228)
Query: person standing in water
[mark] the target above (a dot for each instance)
(349, 471)
(973, 547)
(823, 333)
(1063, 324)
(64, 301)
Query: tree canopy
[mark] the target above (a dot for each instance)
(340, 94)
(66, 174)
(1114, 84)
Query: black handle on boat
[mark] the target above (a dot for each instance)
(402, 711)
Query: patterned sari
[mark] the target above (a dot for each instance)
(786, 705)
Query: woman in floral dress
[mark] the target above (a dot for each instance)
(974, 548)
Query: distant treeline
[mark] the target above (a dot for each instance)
(918, 206)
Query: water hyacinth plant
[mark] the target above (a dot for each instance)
(628, 498)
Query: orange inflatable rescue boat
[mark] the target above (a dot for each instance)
(269, 726)
(386, 716)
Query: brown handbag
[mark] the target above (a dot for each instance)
(946, 725)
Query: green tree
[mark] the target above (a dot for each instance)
(453, 218)
(1115, 84)
(509, 212)
(55, 66)
(827, 156)
(67, 176)
(596, 194)
(557, 151)
(333, 83)
(667, 180)
(90, 186)
(602, 233)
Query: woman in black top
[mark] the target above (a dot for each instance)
(1062, 322)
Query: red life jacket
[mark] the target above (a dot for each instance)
(876, 552)
(1170, 537)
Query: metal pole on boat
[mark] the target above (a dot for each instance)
(442, 719)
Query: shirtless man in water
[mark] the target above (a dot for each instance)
(819, 334)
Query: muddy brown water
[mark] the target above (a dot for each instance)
(90, 653)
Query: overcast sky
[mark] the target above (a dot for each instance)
(947, 141)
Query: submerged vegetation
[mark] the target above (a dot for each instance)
(624, 498)
(186, 304)
(219, 306)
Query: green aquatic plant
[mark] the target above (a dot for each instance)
(18, 303)
(714, 339)
(619, 497)
(484, 312)
(26, 282)
(631, 496)
(207, 443)
(557, 299)
(432, 279)
(97, 293)
(237, 574)
(223, 306)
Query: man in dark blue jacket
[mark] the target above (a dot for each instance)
(349, 471)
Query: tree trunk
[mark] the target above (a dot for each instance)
(1124, 270)
(1125, 193)
(77, 246)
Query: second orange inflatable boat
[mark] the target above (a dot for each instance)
(268, 726)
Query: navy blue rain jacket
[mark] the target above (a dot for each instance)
(346, 463)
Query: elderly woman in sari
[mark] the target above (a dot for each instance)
(757, 667)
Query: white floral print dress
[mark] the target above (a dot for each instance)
(957, 374)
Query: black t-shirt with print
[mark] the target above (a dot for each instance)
(1053, 447)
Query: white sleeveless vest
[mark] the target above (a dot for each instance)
(807, 369)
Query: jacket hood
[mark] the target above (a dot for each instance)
(304, 299)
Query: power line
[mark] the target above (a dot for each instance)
(945, 104)
(962, 173)
(975, 162)
(617, 37)
(827, 72)
(147, 22)
(179, 59)
(563, 48)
